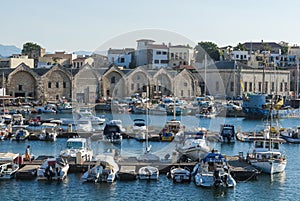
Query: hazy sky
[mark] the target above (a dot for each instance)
(72, 25)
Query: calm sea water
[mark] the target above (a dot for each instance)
(283, 186)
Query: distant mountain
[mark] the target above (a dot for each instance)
(8, 50)
(82, 52)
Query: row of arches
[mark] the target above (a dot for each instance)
(92, 84)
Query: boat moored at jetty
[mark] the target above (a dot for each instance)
(53, 169)
(8, 165)
(105, 170)
(267, 156)
(179, 175)
(227, 133)
(213, 171)
(75, 146)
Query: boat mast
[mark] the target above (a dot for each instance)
(174, 109)
(205, 63)
(148, 148)
(297, 79)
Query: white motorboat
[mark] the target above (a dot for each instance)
(119, 123)
(180, 175)
(267, 156)
(53, 169)
(87, 113)
(227, 133)
(213, 171)
(84, 124)
(48, 132)
(9, 165)
(195, 146)
(291, 135)
(105, 170)
(139, 129)
(113, 132)
(76, 147)
(139, 125)
(148, 173)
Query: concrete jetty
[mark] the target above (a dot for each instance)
(129, 166)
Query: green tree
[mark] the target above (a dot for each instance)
(284, 50)
(30, 49)
(207, 48)
(240, 47)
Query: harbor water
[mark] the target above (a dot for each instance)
(283, 186)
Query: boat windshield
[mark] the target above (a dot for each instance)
(139, 124)
(74, 145)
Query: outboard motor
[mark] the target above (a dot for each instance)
(49, 172)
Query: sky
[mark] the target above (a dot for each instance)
(72, 25)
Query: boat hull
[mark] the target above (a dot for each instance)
(270, 166)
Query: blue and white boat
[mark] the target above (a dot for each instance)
(213, 171)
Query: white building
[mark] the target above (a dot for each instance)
(238, 55)
(180, 55)
(15, 60)
(120, 57)
(148, 53)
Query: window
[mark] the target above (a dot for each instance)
(156, 61)
(245, 86)
(184, 55)
(285, 86)
(250, 86)
(57, 97)
(164, 61)
(281, 86)
(237, 56)
(231, 86)
(172, 55)
(266, 87)
(20, 87)
(57, 84)
(259, 58)
(49, 85)
(113, 80)
(259, 86)
(122, 60)
(132, 86)
(64, 85)
(217, 85)
(158, 52)
(181, 92)
(272, 86)
(185, 84)
(164, 53)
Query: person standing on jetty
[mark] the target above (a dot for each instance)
(27, 153)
